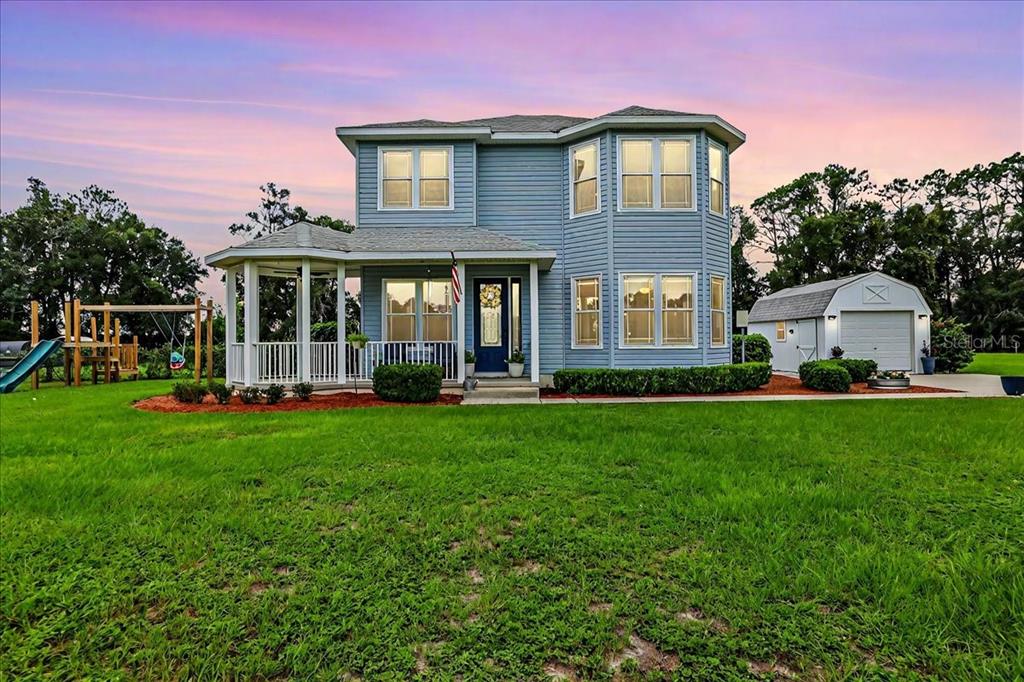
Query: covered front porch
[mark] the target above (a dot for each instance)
(409, 309)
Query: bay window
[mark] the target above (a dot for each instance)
(717, 310)
(656, 173)
(586, 317)
(658, 311)
(415, 178)
(716, 175)
(418, 310)
(583, 161)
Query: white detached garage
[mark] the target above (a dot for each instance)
(872, 316)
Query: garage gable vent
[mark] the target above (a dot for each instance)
(876, 293)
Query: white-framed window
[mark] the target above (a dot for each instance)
(414, 178)
(658, 310)
(586, 315)
(717, 310)
(583, 170)
(418, 310)
(780, 331)
(716, 177)
(656, 173)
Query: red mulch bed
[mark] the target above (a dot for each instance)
(333, 401)
(779, 385)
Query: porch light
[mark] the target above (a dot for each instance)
(922, 317)
(831, 317)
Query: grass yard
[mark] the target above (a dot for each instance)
(1006, 364)
(728, 541)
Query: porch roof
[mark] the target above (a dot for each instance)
(376, 244)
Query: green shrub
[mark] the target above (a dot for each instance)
(221, 391)
(951, 345)
(859, 369)
(825, 375)
(303, 390)
(274, 393)
(408, 383)
(250, 395)
(759, 349)
(188, 392)
(663, 380)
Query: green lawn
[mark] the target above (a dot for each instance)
(1011, 364)
(833, 540)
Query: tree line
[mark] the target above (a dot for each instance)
(958, 237)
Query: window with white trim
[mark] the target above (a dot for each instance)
(780, 331)
(583, 162)
(717, 310)
(415, 178)
(716, 177)
(656, 173)
(586, 318)
(658, 310)
(418, 310)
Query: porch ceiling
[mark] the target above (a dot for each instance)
(382, 245)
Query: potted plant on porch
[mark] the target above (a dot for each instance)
(927, 359)
(516, 364)
(470, 363)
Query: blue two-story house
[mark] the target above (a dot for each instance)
(577, 242)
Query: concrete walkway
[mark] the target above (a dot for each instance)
(972, 384)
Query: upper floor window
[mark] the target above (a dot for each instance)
(657, 310)
(415, 178)
(583, 167)
(586, 318)
(716, 175)
(656, 173)
(717, 310)
(418, 310)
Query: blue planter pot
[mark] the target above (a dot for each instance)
(1012, 385)
(928, 365)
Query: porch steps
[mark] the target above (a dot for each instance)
(496, 391)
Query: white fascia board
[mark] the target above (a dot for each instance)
(350, 136)
(228, 257)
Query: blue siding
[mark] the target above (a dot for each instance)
(463, 186)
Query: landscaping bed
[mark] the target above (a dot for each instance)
(779, 384)
(332, 401)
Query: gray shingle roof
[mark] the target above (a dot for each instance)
(519, 123)
(798, 303)
(389, 239)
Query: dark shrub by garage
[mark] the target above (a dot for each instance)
(408, 383)
(825, 375)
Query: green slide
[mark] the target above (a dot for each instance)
(28, 364)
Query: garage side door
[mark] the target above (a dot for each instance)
(884, 337)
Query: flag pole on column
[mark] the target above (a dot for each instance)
(456, 283)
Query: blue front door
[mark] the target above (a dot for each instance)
(490, 306)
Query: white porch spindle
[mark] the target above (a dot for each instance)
(230, 308)
(460, 324)
(304, 321)
(252, 314)
(534, 325)
(342, 323)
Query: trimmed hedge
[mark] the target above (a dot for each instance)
(759, 349)
(663, 380)
(827, 375)
(858, 369)
(408, 383)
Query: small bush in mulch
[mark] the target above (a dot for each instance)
(408, 383)
(274, 393)
(221, 391)
(250, 395)
(189, 392)
(303, 390)
(825, 375)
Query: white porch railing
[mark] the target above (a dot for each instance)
(236, 362)
(277, 362)
(323, 362)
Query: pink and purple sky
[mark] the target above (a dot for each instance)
(185, 109)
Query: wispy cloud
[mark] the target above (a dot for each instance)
(180, 100)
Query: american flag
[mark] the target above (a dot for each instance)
(456, 284)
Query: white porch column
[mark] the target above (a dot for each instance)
(252, 320)
(534, 325)
(305, 356)
(230, 313)
(460, 323)
(342, 322)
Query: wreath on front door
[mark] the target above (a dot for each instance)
(490, 296)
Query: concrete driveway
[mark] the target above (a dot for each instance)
(971, 384)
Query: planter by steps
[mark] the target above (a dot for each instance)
(888, 384)
(1012, 385)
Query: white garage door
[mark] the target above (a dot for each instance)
(880, 336)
